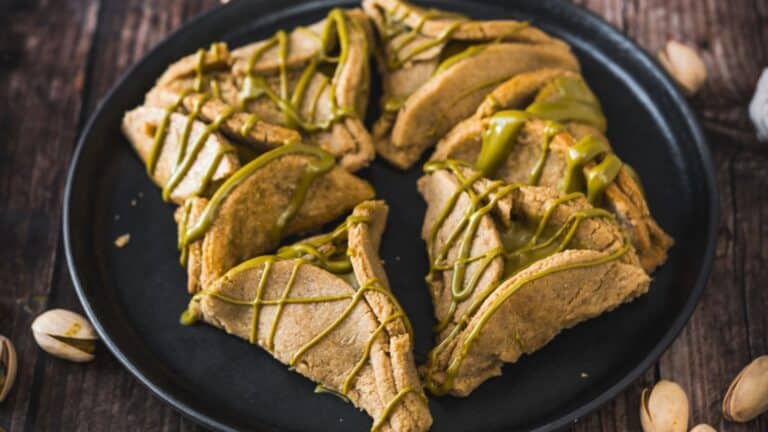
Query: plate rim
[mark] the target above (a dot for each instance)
(699, 140)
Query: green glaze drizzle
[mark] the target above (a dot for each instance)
(392, 404)
(367, 350)
(498, 138)
(198, 106)
(461, 56)
(522, 246)
(476, 49)
(250, 123)
(199, 82)
(199, 70)
(393, 103)
(182, 233)
(550, 130)
(372, 285)
(255, 86)
(317, 250)
(322, 163)
(161, 132)
(333, 256)
(466, 346)
(183, 168)
(564, 99)
(568, 98)
(185, 159)
(323, 389)
(599, 176)
(395, 26)
(291, 280)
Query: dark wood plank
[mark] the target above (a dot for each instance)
(102, 395)
(715, 343)
(42, 77)
(751, 218)
(729, 327)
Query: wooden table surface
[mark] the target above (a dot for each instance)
(58, 58)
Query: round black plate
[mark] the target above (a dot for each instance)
(134, 295)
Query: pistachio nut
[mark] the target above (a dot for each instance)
(7, 366)
(684, 64)
(664, 408)
(747, 397)
(703, 428)
(758, 107)
(65, 334)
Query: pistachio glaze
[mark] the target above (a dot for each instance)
(396, 58)
(255, 86)
(523, 244)
(394, 22)
(186, 157)
(564, 99)
(329, 252)
(321, 162)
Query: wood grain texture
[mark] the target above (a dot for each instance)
(42, 83)
(59, 57)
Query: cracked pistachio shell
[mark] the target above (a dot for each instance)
(703, 428)
(684, 64)
(664, 408)
(7, 366)
(747, 397)
(65, 334)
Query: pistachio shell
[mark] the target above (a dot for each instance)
(758, 107)
(664, 408)
(684, 64)
(703, 428)
(7, 366)
(747, 397)
(65, 334)
(64, 323)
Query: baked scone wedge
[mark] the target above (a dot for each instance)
(313, 80)
(437, 67)
(289, 190)
(323, 306)
(546, 128)
(510, 267)
(183, 155)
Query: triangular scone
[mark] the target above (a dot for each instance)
(288, 190)
(314, 80)
(546, 139)
(512, 266)
(323, 306)
(437, 67)
(184, 156)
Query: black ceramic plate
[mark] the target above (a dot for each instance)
(134, 295)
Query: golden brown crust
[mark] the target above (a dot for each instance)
(140, 125)
(435, 100)
(624, 197)
(540, 309)
(388, 369)
(236, 234)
